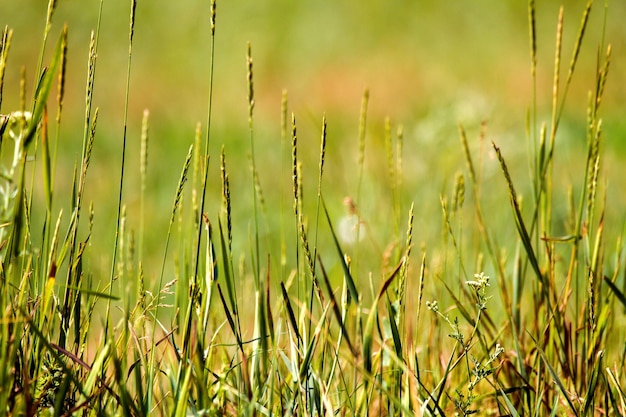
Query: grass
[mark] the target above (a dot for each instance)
(264, 300)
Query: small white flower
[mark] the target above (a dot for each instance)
(350, 225)
(350, 229)
(433, 306)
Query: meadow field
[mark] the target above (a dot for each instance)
(281, 208)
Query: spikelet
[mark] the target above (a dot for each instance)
(213, 16)
(62, 74)
(226, 197)
(5, 43)
(181, 182)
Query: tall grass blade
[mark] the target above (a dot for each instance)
(133, 6)
(256, 249)
(555, 84)
(45, 169)
(620, 392)
(96, 370)
(229, 276)
(360, 165)
(346, 270)
(333, 302)
(143, 172)
(42, 92)
(290, 313)
(205, 159)
(308, 356)
(555, 376)
(362, 134)
(577, 45)
(519, 221)
(508, 403)
(590, 395)
(532, 29)
(5, 43)
(368, 332)
(313, 257)
(393, 317)
(183, 394)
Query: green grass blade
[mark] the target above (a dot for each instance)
(556, 378)
(61, 395)
(290, 313)
(43, 91)
(397, 342)
(308, 356)
(183, 394)
(94, 293)
(618, 293)
(96, 369)
(346, 270)
(229, 317)
(508, 403)
(619, 391)
(590, 396)
(5, 43)
(228, 275)
(519, 221)
(368, 332)
(335, 306)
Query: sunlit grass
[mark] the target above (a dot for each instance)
(374, 270)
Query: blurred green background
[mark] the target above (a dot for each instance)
(428, 65)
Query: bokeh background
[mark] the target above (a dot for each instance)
(428, 65)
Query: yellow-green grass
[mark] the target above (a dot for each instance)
(259, 256)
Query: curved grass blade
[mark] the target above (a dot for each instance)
(335, 306)
(397, 342)
(346, 271)
(368, 333)
(508, 403)
(92, 292)
(306, 362)
(555, 376)
(96, 369)
(43, 91)
(519, 221)
(291, 314)
(618, 293)
(590, 396)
